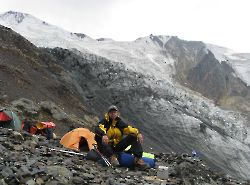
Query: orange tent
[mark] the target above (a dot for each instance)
(78, 137)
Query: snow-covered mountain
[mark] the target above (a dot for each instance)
(143, 51)
(147, 50)
(144, 78)
(240, 62)
(40, 31)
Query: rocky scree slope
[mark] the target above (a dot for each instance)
(28, 159)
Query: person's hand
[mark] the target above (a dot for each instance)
(140, 138)
(105, 139)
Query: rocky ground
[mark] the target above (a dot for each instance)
(27, 159)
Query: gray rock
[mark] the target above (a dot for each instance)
(30, 182)
(7, 172)
(88, 176)
(2, 148)
(39, 181)
(26, 104)
(17, 136)
(2, 182)
(25, 170)
(77, 180)
(60, 173)
(54, 110)
(18, 147)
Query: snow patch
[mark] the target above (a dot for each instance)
(239, 62)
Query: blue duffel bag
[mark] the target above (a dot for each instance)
(127, 160)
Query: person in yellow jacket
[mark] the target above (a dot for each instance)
(113, 136)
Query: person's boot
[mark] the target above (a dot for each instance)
(114, 161)
(139, 163)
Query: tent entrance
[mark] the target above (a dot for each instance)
(83, 145)
(5, 124)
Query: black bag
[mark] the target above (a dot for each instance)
(93, 155)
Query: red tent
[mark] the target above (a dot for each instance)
(4, 116)
(8, 119)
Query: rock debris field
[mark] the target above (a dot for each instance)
(27, 159)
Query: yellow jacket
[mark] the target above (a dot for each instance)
(114, 129)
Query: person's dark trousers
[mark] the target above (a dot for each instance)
(49, 133)
(27, 126)
(135, 149)
(108, 150)
(105, 149)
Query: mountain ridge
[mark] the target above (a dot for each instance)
(68, 40)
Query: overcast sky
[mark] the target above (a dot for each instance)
(220, 22)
